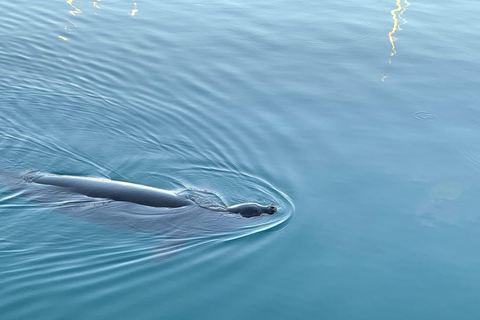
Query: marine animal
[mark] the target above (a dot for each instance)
(134, 193)
(181, 218)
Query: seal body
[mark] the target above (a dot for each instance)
(134, 193)
(181, 222)
(111, 189)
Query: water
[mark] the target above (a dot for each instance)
(362, 117)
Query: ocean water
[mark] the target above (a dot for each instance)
(361, 120)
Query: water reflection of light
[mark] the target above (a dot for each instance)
(397, 15)
(76, 10)
(395, 26)
(71, 23)
(134, 10)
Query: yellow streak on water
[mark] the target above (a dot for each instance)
(396, 14)
(95, 4)
(63, 38)
(73, 12)
(134, 10)
(395, 26)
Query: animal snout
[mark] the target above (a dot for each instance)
(272, 209)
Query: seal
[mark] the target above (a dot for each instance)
(134, 193)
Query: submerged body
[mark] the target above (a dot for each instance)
(134, 193)
(113, 190)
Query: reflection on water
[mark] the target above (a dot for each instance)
(395, 26)
(396, 14)
(75, 9)
(66, 28)
(134, 10)
(73, 12)
(71, 23)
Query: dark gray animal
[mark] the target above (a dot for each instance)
(182, 219)
(134, 193)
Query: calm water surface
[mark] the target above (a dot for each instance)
(360, 118)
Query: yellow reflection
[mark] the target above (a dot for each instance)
(395, 26)
(76, 10)
(134, 10)
(396, 14)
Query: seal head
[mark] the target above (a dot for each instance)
(252, 209)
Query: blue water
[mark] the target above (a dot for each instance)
(361, 118)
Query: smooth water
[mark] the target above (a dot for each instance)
(361, 118)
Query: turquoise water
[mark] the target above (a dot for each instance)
(361, 119)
